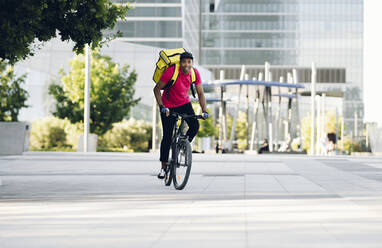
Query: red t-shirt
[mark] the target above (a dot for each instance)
(178, 94)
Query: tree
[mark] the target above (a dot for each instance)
(12, 96)
(111, 97)
(22, 23)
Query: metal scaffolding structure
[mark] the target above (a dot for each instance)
(261, 94)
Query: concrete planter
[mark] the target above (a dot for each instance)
(206, 141)
(14, 138)
(204, 144)
(375, 134)
(92, 143)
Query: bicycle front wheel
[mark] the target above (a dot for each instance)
(169, 171)
(182, 165)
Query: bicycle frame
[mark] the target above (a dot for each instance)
(178, 131)
(178, 134)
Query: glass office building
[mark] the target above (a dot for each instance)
(289, 34)
(249, 32)
(163, 23)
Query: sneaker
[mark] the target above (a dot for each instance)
(162, 174)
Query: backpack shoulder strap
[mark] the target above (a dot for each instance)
(173, 79)
(193, 75)
(193, 80)
(175, 75)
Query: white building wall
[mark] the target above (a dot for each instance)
(372, 60)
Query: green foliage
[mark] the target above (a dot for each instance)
(27, 21)
(217, 127)
(133, 135)
(12, 96)
(56, 137)
(111, 97)
(229, 126)
(207, 128)
(241, 130)
(351, 145)
(54, 134)
(305, 130)
(106, 149)
(331, 123)
(51, 134)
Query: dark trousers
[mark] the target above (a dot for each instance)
(168, 124)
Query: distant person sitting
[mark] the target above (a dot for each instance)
(264, 147)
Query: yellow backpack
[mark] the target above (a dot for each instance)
(167, 58)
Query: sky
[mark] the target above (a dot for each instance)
(373, 61)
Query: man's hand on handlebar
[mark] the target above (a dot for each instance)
(164, 110)
(205, 115)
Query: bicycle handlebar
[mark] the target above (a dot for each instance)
(186, 116)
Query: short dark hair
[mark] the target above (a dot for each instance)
(186, 55)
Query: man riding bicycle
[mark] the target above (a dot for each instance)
(177, 100)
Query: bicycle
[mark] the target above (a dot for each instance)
(179, 167)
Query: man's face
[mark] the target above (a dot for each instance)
(185, 65)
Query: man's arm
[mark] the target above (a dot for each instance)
(158, 87)
(202, 98)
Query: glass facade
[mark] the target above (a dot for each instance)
(236, 32)
(155, 23)
(289, 34)
(191, 27)
(163, 23)
(331, 34)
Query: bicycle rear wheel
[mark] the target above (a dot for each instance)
(182, 165)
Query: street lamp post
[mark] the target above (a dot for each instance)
(269, 105)
(87, 98)
(313, 110)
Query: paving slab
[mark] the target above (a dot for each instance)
(232, 200)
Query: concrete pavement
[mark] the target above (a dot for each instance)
(115, 200)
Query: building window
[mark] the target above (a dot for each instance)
(212, 7)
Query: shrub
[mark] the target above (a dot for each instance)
(51, 133)
(351, 146)
(127, 135)
(56, 137)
